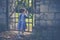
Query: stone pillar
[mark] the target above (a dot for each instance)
(3, 24)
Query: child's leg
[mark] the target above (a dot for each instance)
(22, 32)
(18, 33)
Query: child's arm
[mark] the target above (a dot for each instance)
(27, 15)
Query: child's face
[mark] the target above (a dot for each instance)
(25, 12)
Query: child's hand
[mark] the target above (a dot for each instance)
(27, 12)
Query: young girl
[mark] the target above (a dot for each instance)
(22, 22)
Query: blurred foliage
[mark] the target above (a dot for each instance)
(23, 4)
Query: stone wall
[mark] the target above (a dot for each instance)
(47, 20)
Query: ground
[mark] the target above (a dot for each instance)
(12, 35)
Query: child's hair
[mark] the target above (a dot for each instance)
(21, 10)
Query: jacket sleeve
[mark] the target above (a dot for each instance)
(26, 15)
(22, 17)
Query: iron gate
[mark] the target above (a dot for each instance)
(28, 4)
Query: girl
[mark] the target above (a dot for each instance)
(22, 22)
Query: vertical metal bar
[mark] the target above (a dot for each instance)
(35, 11)
(15, 22)
(15, 17)
(18, 17)
(32, 13)
(7, 14)
(18, 14)
(28, 17)
(39, 13)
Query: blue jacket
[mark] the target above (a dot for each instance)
(22, 22)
